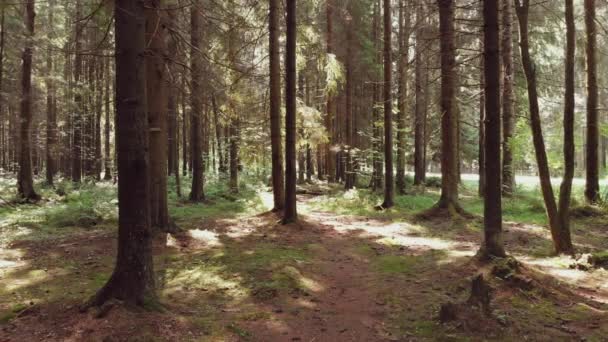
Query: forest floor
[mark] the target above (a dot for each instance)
(344, 272)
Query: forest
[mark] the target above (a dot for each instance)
(313, 170)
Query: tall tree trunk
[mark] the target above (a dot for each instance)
(492, 215)
(421, 96)
(109, 109)
(133, 278)
(592, 187)
(348, 122)
(184, 128)
(172, 119)
(156, 90)
(5, 150)
(404, 34)
(330, 155)
(51, 118)
(25, 180)
(278, 183)
(290, 210)
(196, 148)
(482, 129)
(376, 181)
(78, 115)
(560, 243)
(508, 174)
(569, 149)
(389, 192)
(449, 125)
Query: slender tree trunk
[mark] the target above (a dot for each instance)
(376, 181)
(109, 109)
(404, 34)
(77, 116)
(184, 129)
(51, 118)
(278, 184)
(25, 185)
(133, 278)
(482, 129)
(569, 149)
(348, 122)
(330, 155)
(592, 187)
(492, 215)
(389, 192)
(196, 149)
(157, 97)
(290, 210)
(449, 125)
(5, 149)
(508, 174)
(561, 245)
(420, 105)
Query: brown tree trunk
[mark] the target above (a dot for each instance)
(156, 90)
(508, 174)
(492, 215)
(376, 181)
(278, 183)
(290, 211)
(420, 105)
(330, 155)
(25, 182)
(133, 278)
(184, 128)
(389, 192)
(592, 187)
(569, 149)
(449, 126)
(560, 242)
(4, 142)
(77, 116)
(404, 34)
(348, 122)
(51, 115)
(196, 147)
(482, 129)
(109, 109)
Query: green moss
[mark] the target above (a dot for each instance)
(394, 264)
(12, 313)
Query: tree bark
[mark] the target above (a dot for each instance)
(376, 181)
(389, 192)
(508, 174)
(492, 215)
(560, 243)
(109, 109)
(133, 278)
(77, 116)
(421, 102)
(330, 155)
(569, 149)
(290, 211)
(278, 183)
(51, 114)
(482, 129)
(157, 97)
(196, 144)
(449, 125)
(404, 34)
(592, 187)
(348, 122)
(25, 182)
